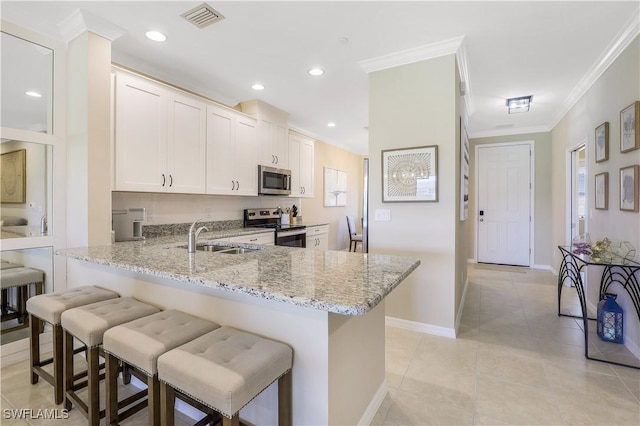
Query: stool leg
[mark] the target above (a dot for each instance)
(111, 385)
(126, 373)
(68, 368)
(233, 421)
(93, 387)
(285, 417)
(168, 401)
(153, 390)
(58, 370)
(34, 346)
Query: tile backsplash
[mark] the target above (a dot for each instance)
(185, 208)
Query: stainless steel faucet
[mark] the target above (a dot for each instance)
(193, 235)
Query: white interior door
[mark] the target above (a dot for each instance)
(504, 204)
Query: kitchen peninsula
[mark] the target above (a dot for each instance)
(327, 305)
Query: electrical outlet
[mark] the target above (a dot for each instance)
(383, 215)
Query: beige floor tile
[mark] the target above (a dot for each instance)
(410, 409)
(511, 403)
(447, 385)
(513, 367)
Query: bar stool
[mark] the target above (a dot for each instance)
(88, 324)
(49, 308)
(139, 343)
(224, 370)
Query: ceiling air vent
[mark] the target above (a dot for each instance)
(202, 16)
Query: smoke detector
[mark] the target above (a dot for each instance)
(202, 16)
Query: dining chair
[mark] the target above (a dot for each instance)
(354, 238)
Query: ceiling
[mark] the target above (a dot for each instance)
(510, 49)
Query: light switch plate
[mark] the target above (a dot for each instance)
(383, 215)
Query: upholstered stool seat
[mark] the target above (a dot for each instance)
(139, 343)
(88, 324)
(49, 308)
(224, 370)
(21, 283)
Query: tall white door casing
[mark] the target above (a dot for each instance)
(504, 204)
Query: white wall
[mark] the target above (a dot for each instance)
(416, 105)
(618, 87)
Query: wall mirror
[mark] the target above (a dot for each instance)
(26, 90)
(25, 189)
(25, 273)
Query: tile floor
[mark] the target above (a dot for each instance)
(515, 363)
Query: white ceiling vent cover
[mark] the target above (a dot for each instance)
(202, 16)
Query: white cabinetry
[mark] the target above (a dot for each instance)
(272, 133)
(263, 238)
(318, 237)
(231, 152)
(159, 138)
(301, 163)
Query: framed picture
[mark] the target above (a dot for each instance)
(335, 187)
(602, 142)
(410, 174)
(14, 177)
(629, 119)
(464, 172)
(602, 191)
(629, 188)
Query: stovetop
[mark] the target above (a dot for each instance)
(266, 218)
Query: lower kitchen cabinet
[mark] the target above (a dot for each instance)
(263, 238)
(318, 237)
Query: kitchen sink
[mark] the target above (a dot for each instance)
(214, 248)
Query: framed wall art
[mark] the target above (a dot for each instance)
(602, 142)
(410, 174)
(629, 134)
(14, 177)
(629, 188)
(602, 191)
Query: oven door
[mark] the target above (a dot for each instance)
(292, 238)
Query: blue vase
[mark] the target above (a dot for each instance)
(610, 320)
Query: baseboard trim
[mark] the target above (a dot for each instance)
(553, 270)
(374, 404)
(544, 267)
(421, 327)
(471, 261)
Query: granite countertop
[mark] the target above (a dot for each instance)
(333, 281)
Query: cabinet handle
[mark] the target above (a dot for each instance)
(277, 159)
(237, 186)
(233, 185)
(163, 179)
(300, 190)
(253, 239)
(170, 181)
(304, 189)
(273, 159)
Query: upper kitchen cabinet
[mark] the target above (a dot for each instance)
(232, 168)
(160, 138)
(301, 163)
(272, 133)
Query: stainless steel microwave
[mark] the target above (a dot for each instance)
(273, 181)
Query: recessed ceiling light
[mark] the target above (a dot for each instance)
(156, 36)
(257, 86)
(316, 71)
(331, 124)
(33, 94)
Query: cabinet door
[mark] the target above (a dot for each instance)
(220, 151)
(307, 167)
(245, 156)
(140, 135)
(266, 156)
(263, 238)
(186, 145)
(294, 165)
(280, 146)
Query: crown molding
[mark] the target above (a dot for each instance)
(81, 21)
(509, 131)
(409, 56)
(628, 33)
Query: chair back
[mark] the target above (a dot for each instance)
(351, 224)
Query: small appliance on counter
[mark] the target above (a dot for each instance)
(286, 234)
(127, 224)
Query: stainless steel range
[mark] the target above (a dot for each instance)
(285, 235)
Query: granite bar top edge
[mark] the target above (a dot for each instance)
(296, 288)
